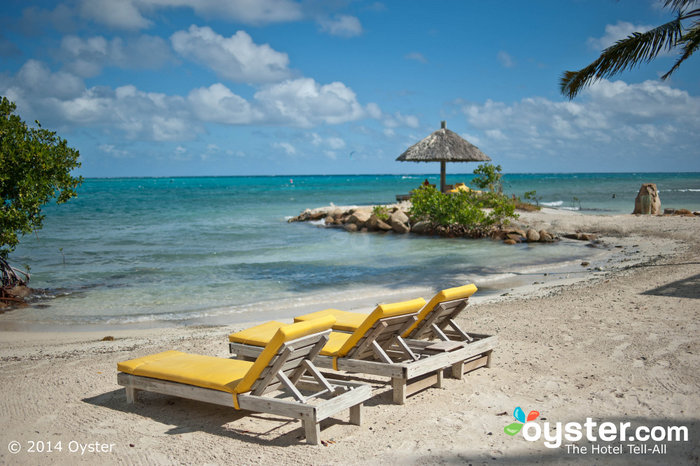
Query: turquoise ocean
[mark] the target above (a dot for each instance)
(179, 251)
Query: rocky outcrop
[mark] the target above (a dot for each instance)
(399, 222)
(647, 201)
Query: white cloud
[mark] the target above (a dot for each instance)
(245, 11)
(286, 147)
(36, 79)
(417, 56)
(505, 59)
(122, 14)
(87, 57)
(341, 25)
(398, 119)
(236, 58)
(304, 102)
(217, 103)
(614, 32)
(611, 119)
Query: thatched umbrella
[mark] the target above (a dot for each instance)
(443, 146)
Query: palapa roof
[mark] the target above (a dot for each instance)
(443, 146)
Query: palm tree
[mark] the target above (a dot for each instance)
(641, 47)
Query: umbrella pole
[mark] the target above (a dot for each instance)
(442, 176)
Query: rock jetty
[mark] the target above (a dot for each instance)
(395, 218)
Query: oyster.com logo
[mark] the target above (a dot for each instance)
(519, 415)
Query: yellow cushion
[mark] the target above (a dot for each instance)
(450, 294)
(284, 334)
(382, 311)
(344, 321)
(191, 369)
(260, 335)
(336, 340)
(227, 375)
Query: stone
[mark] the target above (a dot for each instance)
(648, 201)
(532, 236)
(546, 237)
(382, 225)
(337, 213)
(351, 227)
(421, 227)
(517, 237)
(359, 218)
(399, 222)
(329, 220)
(510, 241)
(669, 211)
(19, 291)
(585, 264)
(682, 212)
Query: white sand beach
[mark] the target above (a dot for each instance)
(619, 345)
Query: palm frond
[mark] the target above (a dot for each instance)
(678, 5)
(690, 43)
(624, 54)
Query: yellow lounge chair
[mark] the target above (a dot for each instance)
(434, 321)
(377, 348)
(277, 370)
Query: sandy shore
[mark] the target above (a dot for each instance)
(620, 345)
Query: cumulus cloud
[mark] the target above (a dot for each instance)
(398, 119)
(236, 58)
(86, 57)
(614, 32)
(341, 25)
(304, 102)
(612, 118)
(123, 14)
(219, 104)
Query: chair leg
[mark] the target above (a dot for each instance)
(458, 370)
(130, 395)
(398, 386)
(356, 414)
(488, 358)
(312, 430)
(440, 376)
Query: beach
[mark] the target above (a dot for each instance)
(617, 344)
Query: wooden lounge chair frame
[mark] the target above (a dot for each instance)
(282, 376)
(412, 365)
(440, 323)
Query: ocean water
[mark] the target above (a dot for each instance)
(176, 251)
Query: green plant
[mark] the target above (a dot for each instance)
(532, 196)
(381, 212)
(488, 176)
(464, 209)
(36, 167)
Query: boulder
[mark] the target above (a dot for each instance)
(532, 236)
(546, 237)
(382, 225)
(421, 227)
(351, 227)
(517, 237)
(359, 218)
(510, 241)
(399, 222)
(329, 220)
(19, 291)
(648, 201)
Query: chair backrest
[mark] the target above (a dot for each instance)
(435, 313)
(383, 311)
(385, 333)
(286, 351)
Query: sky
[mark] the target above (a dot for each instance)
(285, 87)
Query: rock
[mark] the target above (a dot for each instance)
(372, 223)
(329, 220)
(682, 212)
(546, 237)
(359, 218)
(517, 237)
(337, 213)
(421, 227)
(399, 222)
(585, 264)
(510, 241)
(382, 225)
(669, 211)
(532, 236)
(581, 236)
(351, 227)
(518, 231)
(316, 215)
(108, 338)
(647, 201)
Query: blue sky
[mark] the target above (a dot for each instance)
(277, 87)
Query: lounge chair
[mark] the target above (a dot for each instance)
(434, 321)
(377, 348)
(277, 371)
